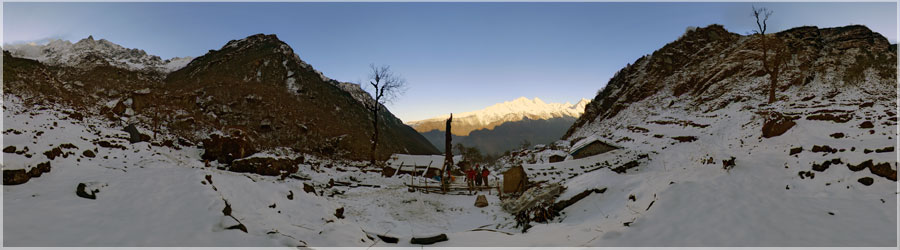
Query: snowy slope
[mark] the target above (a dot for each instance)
(148, 195)
(494, 115)
(89, 52)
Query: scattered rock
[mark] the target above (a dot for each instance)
(830, 117)
(825, 148)
(339, 213)
(885, 150)
(107, 144)
(837, 135)
(290, 195)
(821, 167)
(53, 153)
(388, 239)
(861, 166)
(10, 149)
(866, 181)
(685, 138)
(209, 179)
(806, 174)
(227, 210)
(866, 124)
(39, 170)
(884, 170)
(83, 194)
(796, 150)
(238, 226)
(89, 154)
(728, 164)
(309, 188)
(625, 167)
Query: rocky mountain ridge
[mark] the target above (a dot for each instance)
(710, 68)
(89, 53)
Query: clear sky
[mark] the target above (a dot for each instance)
(457, 57)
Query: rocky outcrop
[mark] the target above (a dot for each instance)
(20, 176)
(225, 149)
(266, 166)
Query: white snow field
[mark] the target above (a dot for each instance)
(160, 196)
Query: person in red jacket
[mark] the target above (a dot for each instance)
(484, 176)
(470, 179)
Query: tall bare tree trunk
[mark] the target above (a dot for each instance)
(773, 83)
(374, 135)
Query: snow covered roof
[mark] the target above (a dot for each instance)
(587, 141)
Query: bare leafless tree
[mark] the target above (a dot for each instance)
(386, 88)
(770, 65)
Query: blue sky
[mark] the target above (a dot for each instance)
(457, 57)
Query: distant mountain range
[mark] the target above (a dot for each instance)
(504, 126)
(497, 114)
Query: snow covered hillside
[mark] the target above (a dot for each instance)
(497, 114)
(89, 52)
(704, 160)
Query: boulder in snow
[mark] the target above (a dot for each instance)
(481, 201)
(81, 192)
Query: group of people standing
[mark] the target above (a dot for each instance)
(477, 176)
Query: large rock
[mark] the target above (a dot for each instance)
(226, 149)
(81, 192)
(15, 177)
(481, 201)
(135, 136)
(884, 170)
(776, 125)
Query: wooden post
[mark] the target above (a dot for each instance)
(499, 190)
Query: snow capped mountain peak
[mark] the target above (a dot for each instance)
(85, 54)
(508, 111)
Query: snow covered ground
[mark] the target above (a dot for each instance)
(162, 196)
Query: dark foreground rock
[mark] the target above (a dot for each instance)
(428, 240)
(81, 192)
